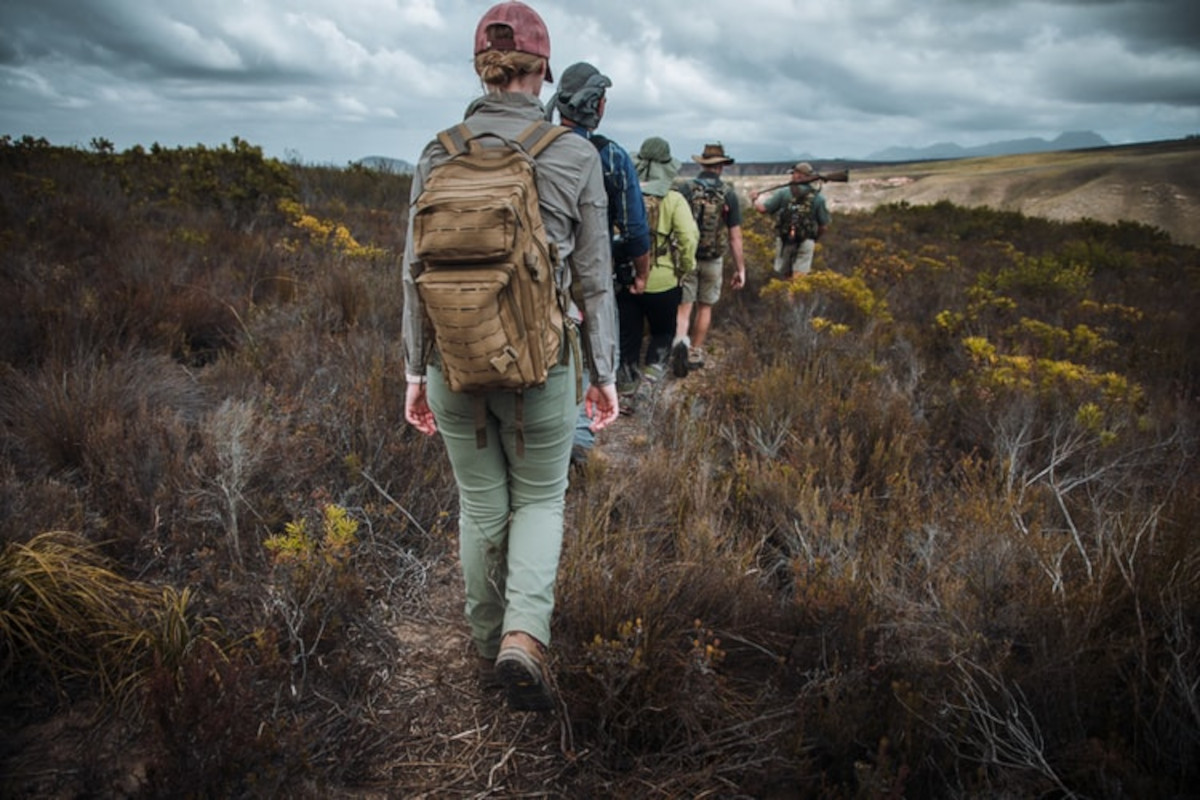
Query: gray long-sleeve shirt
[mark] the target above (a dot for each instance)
(574, 210)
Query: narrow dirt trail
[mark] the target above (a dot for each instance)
(470, 744)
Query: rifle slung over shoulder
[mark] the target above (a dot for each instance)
(835, 176)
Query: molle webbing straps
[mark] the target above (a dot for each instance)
(485, 271)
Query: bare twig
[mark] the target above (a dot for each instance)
(367, 476)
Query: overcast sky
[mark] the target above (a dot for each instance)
(331, 81)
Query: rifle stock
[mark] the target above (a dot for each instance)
(836, 176)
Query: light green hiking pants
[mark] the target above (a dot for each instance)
(510, 506)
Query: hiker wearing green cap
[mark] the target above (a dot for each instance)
(580, 101)
(674, 236)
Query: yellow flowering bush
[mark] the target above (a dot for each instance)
(326, 233)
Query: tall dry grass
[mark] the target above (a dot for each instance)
(925, 529)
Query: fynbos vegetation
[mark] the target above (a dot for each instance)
(925, 528)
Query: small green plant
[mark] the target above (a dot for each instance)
(315, 592)
(298, 549)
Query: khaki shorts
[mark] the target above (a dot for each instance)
(704, 283)
(795, 258)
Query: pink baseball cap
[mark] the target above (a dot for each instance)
(529, 32)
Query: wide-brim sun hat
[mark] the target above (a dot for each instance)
(655, 166)
(713, 154)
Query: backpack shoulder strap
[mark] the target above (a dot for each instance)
(455, 139)
(533, 140)
(538, 136)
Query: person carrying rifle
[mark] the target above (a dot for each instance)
(801, 218)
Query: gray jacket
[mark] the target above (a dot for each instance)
(575, 211)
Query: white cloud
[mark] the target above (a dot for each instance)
(770, 78)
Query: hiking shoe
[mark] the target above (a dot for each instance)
(521, 668)
(695, 358)
(627, 379)
(647, 390)
(652, 373)
(679, 357)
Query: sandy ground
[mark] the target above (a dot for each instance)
(1156, 185)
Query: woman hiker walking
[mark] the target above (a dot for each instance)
(511, 503)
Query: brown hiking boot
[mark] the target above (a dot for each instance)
(521, 668)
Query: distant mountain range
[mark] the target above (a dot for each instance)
(1072, 140)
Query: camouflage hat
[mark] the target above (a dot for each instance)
(579, 95)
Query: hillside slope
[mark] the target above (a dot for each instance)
(1155, 184)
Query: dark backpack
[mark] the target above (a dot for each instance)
(797, 220)
(615, 186)
(707, 200)
(485, 272)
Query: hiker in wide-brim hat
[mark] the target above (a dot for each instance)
(656, 169)
(718, 212)
(713, 154)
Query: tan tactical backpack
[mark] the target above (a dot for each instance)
(485, 272)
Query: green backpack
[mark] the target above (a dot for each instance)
(707, 200)
(659, 239)
(797, 220)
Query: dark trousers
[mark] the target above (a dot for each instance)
(636, 313)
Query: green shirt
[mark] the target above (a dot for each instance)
(674, 219)
(780, 198)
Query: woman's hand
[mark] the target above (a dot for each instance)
(600, 405)
(416, 409)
